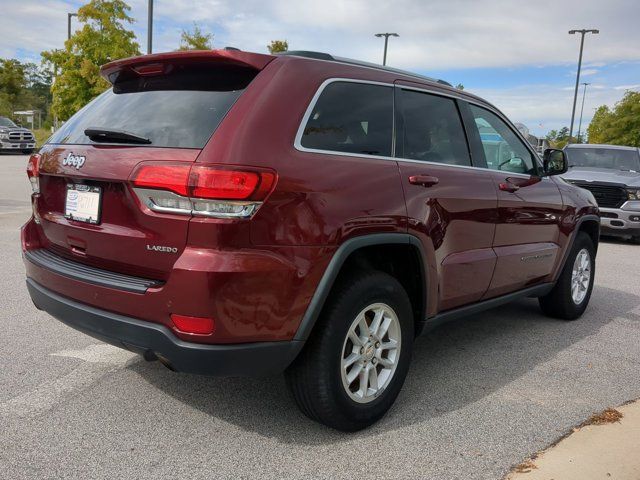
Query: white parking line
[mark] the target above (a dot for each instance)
(99, 360)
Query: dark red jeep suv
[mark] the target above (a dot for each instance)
(232, 213)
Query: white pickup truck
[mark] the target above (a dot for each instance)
(14, 138)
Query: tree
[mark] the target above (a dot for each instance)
(195, 40)
(460, 86)
(11, 84)
(103, 38)
(599, 124)
(559, 138)
(617, 126)
(23, 86)
(11, 77)
(277, 46)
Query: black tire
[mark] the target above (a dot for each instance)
(559, 303)
(315, 378)
(635, 240)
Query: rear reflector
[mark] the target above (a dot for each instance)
(196, 325)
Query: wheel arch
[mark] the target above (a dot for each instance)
(365, 251)
(590, 224)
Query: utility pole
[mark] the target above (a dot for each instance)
(69, 15)
(582, 33)
(150, 28)
(386, 42)
(584, 93)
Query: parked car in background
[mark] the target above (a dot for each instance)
(232, 213)
(612, 174)
(14, 138)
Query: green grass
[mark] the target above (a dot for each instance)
(42, 135)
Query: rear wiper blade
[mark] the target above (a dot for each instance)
(98, 134)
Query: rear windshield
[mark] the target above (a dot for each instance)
(613, 158)
(181, 109)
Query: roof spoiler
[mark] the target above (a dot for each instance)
(159, 63)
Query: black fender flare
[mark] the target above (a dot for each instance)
(572, 239)
(335, 265)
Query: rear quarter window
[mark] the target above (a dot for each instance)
(181, 109)
(351, 118)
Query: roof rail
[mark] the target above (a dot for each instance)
(326, 56)
(307, 54)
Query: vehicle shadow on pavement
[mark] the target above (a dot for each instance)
(615, 240)
(453, 366)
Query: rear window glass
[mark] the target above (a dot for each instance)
(351, 118)
(432, 129)
(179, 109)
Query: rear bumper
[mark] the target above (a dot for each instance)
(155, 340)
(620, 222)
(254, 294)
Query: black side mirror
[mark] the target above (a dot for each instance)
(554, 161)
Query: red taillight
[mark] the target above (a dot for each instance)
(33, 172)
(200, 181)
(163, 176)
(216, 183)
(197, 325)
(33, 166)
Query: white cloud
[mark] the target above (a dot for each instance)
(627, 87)
(547, 104)
(27, 26)
(434, 35)
(438, 34)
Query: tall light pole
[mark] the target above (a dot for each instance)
(386, 42)
(150, 27)
(69, 15)
(582, 33)
(584, 93)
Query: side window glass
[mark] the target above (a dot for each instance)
(353, 118)
(502, 148)
(433, 129)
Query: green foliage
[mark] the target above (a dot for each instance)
(103, 38)
(460, 86)
(617, 126)
(11, 77)
(195, 40)
(23, 86)
(559, 138)
(42, 135)
(277, 46)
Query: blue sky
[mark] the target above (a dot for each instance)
(515, 53)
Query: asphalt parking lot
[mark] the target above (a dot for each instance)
(482, 394)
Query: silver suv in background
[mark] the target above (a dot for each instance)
(612, 174)
(14, 138)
